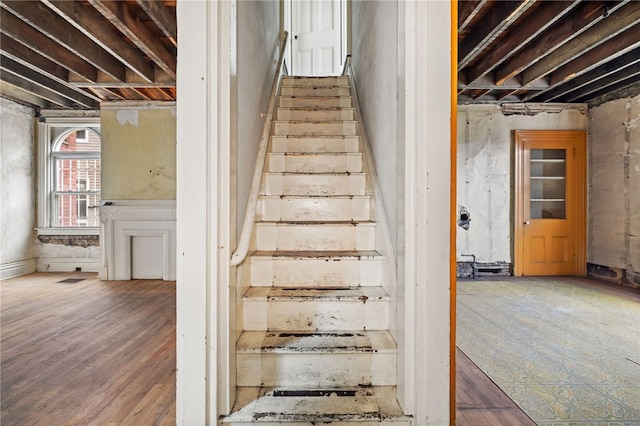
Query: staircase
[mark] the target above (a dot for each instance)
(315, 346)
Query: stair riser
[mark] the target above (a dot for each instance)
(315, 314)
(314, 145)
(327, 128)
(315, 209)
(314, 102)
(315, 114)
(306, 237)
(313, 184)
(315, 81)
(310, 272)
(331, 163)
(311, 91)
(319, 370)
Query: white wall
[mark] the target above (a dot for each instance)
(17, 189)
(374, 42)
(258, 28)
(485, 169)
(614, 188)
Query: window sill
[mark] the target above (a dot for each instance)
(68, 231)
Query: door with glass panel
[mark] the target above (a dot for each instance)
(550, 203)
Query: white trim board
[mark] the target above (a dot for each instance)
(15, 269)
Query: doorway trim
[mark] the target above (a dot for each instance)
(580, 178)
(345, 33)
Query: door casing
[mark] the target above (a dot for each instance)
(531, 137)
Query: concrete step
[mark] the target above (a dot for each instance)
(314, 102)
(314, 184)
(319, 309)
(313, 360)
(337, 406)
(333, 236)
(314, 114)
(298, 269)
(315, 81)
(314, 144)
(315, 91)
(314, 128)
(343, 162)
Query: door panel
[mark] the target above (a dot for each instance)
(317, 37)
(550, 189)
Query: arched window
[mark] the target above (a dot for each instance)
(76, 185)
(69, 175)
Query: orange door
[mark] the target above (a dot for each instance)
(550, 203)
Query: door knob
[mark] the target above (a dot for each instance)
(527, 222)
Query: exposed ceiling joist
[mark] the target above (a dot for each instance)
(33, 39)
(163, 18)
(58, 30)
(92, 25)
(120, 16)
(602, 31)
(499, 17)
(544, 17)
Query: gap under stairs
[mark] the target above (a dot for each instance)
(315, 346)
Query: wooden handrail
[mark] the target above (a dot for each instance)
(249, 215)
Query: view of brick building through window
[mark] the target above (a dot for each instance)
(77, 179)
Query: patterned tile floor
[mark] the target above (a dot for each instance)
(566, 354)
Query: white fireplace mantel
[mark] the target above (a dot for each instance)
(123, 220)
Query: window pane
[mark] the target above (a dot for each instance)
(547, 184)
(77, 210)
(84, 140)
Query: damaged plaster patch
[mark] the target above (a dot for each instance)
(130, 116)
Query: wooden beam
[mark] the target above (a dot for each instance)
(162, 17)
(543, 17)
(17, 94)
(21, 53)
(49, 23)
(36, 90)
(467, 10)
(562, 32)
(605, 52)
(118, 14)
(604, 82)
(30, 74)
(628, 91)
(595, 74)
(604, 30)
(33, 39)
(617, 87)
(88, 21)
(501, 15)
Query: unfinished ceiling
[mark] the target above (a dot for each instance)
(548, 51)
(75, 54)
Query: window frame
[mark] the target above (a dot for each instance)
(50, 130)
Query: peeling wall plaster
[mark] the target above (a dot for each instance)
(138, 153)
(17, 183)
(614, 189)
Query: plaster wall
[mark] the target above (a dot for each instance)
(374, 40)
(614, 188)
(258, 27)
(485, 174)
(138, 151)
(17, 189)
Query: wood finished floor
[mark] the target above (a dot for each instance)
(103, 353)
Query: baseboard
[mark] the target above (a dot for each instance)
(15, 269)
(65, 264)
(614, 275)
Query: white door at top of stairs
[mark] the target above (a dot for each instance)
(317, 37)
